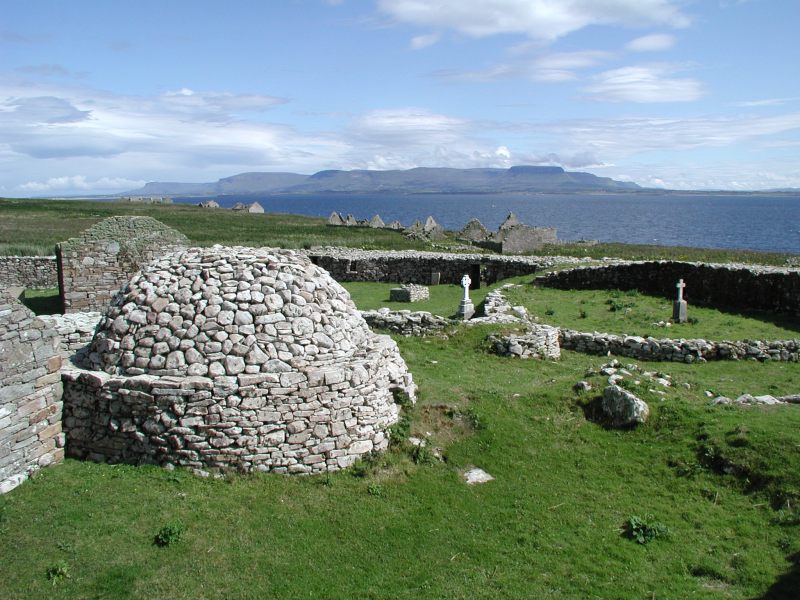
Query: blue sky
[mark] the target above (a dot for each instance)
(100, 96)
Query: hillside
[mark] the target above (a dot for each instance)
(419, 180)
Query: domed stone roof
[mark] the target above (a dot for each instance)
(245, 358)
(225, 311)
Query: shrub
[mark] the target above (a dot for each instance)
(58, 572)
(421, 455)
(644, 529)
(170, 534)
(376, 490)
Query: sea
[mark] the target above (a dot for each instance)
(769, 222)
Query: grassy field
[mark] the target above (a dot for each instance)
(35, 226)
(444, 299)
(31, 227)
(652, 252)
(551, 525)
(633, 313)
(717, 488)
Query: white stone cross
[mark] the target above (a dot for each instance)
(680, 285)
(465, 283)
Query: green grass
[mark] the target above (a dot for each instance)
(550, 526)
(444, 299)
(43, 301)
(633, 313)
(723, 480)
(653, 252)
(36, 226)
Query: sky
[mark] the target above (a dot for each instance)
(99, 97)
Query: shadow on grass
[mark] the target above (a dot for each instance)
(788, 585)
(42, 302)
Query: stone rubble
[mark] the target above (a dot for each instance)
(405, 322)
(539, 341)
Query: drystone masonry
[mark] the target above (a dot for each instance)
(30, 394)
(75, 332)
(719, 285)
(410, 266)
(410, 292)
(406, 322)
(679, 350)
(235, 358)
(28, 271)
(95, 265)
(539, 341)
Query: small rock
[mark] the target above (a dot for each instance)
(582, 386)
(475, 476)
(623, 408)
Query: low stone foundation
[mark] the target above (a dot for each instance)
(678, 350)
(405, 322)
(410, 292)
(540, 341)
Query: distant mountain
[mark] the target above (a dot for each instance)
(419, 180)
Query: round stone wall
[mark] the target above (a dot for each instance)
(235, 358)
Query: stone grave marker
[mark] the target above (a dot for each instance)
(679, 307)
(466, 309)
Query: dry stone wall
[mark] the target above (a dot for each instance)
(679, 350)
(75, 332)
(411, 266)
(28, 271)
(30, 394)
(235, 358)
(539, 341)
(406, 322)
(410, 292)
(719, 285)
(94, 266)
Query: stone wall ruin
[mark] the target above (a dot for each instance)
(740, 287)
(30, 394)
(28, 271)
(95, 265)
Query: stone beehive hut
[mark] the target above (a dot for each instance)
(235, 358)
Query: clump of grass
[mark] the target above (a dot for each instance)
(169, 534)
(422, 455)
(58, 572)
(375, 490)
(645, 529)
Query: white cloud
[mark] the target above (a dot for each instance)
(69, 184)
(539, 19)
(423, 41)
(644, 84)
(651, 43)
(411, 126)
(766, 102)
(617, 138)
(554, 67)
